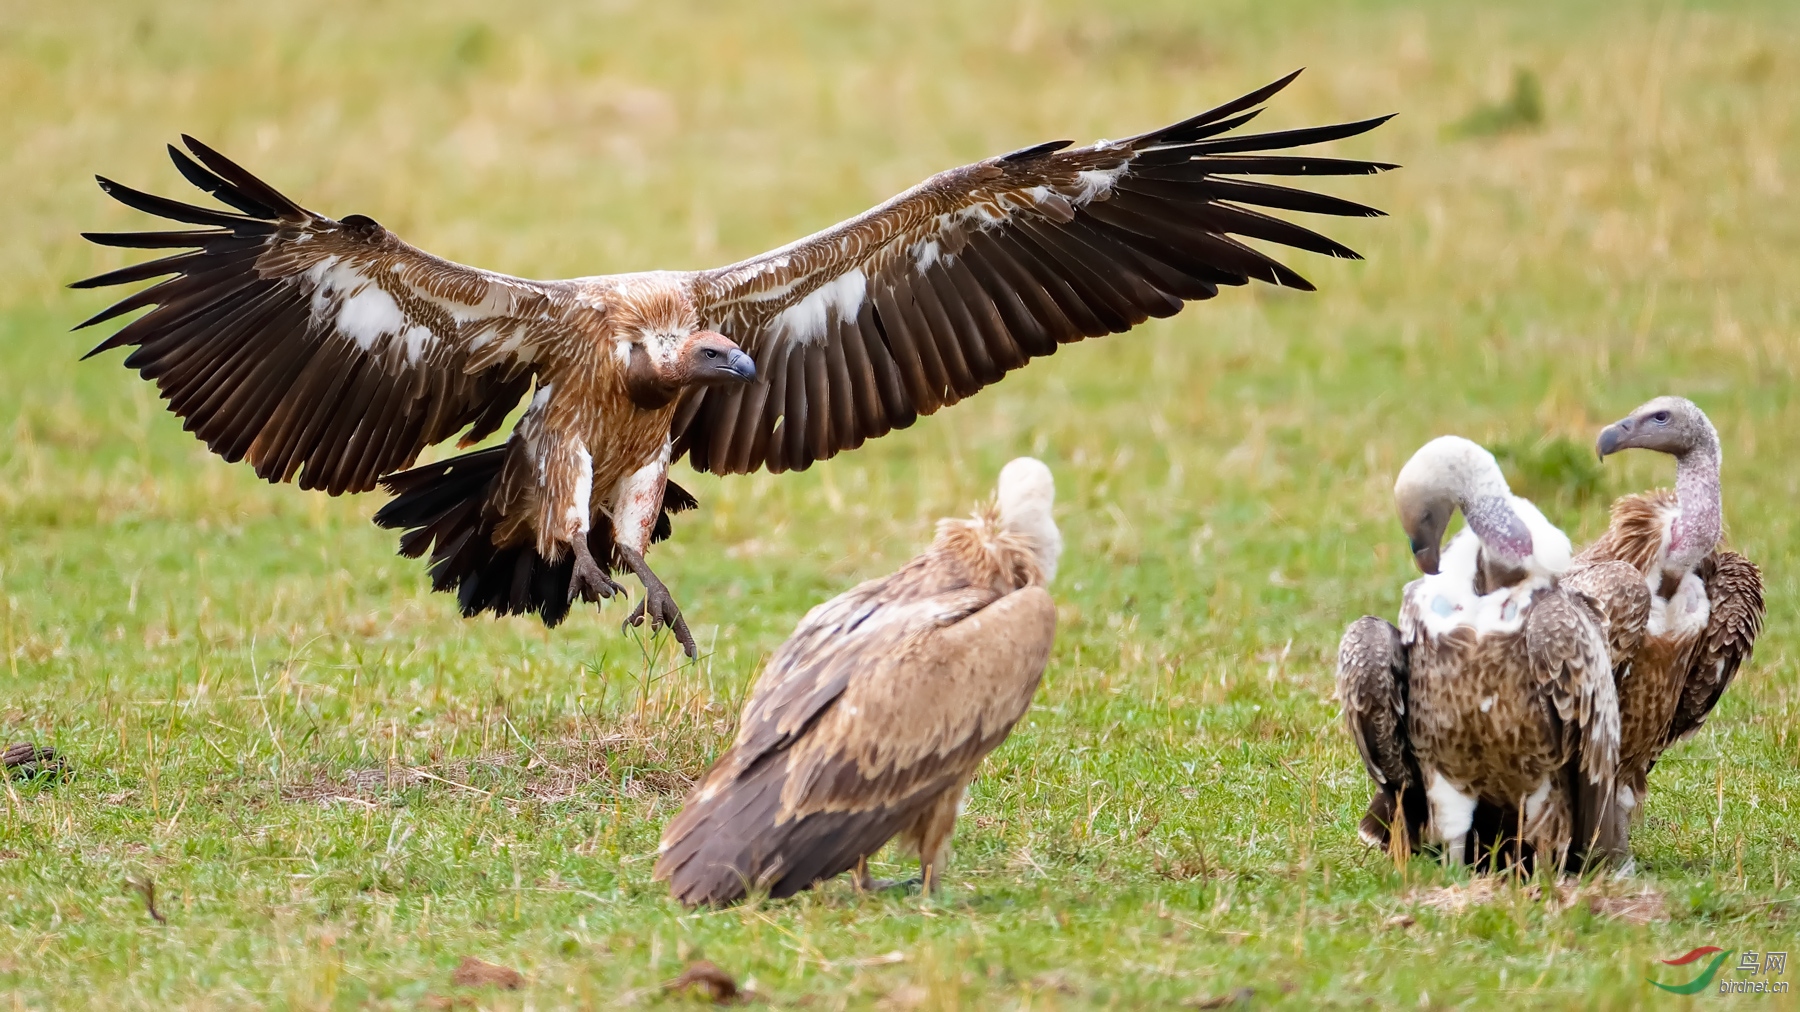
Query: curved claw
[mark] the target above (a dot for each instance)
(659, 606)
(590, 582)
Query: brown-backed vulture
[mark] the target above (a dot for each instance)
(1495, 692)
(1685, 611)
(330, 353)
(870, 721)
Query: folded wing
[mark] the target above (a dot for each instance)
(1734, 586)
(852, 734)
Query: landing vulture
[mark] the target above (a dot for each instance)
(870, 720)
(330, 353)
(1495, 691)
(1685, 611)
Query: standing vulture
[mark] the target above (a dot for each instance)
(1685, 611)
(870, 720)
(1495, 692)
(329, 352)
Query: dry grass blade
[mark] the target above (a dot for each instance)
(146, 887)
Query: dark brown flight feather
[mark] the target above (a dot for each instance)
(330, 353)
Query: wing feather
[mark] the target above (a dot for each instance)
(1565, 644)
(977, 270)
(1734, 586)
(883, 699)
(327, 352)
(1371, 682)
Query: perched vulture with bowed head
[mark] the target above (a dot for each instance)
(871, 719)
(330, 353)
(1495, 692)
(1685, 612)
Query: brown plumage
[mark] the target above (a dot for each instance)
(1371, 685)
(1683, 612)
(330, 353)
(870, 721)
(1502, 676)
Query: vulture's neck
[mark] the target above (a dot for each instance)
(1701, 521)
(1487, 504)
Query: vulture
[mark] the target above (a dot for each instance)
(1685, 611)
(330, 353)
(1495, 693)
(869, 722)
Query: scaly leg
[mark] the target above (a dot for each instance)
(932, 833)
(589, 581)
(657, 604)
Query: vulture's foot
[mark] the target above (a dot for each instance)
(658, 604)
(875, 885)
(589, 581)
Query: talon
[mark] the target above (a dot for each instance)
(658, 605)
(590, 582)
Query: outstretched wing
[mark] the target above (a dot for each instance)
(324, 349)
(1734, 585)
(941, 291)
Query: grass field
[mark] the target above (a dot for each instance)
(339, 788)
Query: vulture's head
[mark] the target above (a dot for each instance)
(1024, 500)
(661, 365)
(1448, 473)
(706, 358)
(1671, 425)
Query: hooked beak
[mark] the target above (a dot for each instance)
(741, 366)
(1613, 437)
(1426, 557)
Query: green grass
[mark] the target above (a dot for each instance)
(242, 675)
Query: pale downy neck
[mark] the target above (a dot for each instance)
(1479, 488)
(1701, 523)
(1027, 495)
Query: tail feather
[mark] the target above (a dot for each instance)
(442, 508)
(735, 840)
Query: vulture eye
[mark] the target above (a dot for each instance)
(712, 353)
(1660, 418)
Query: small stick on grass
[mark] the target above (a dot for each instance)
(146, 887)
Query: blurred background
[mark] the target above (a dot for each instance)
(1597, 205)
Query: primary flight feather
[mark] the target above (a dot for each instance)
(330, 353)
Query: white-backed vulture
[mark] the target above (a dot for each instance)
(870, 721)
(330, 353)
(1685, 612)
(1497, 682)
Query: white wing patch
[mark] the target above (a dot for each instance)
(811, 318)
(351, 303)
(368, 315)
